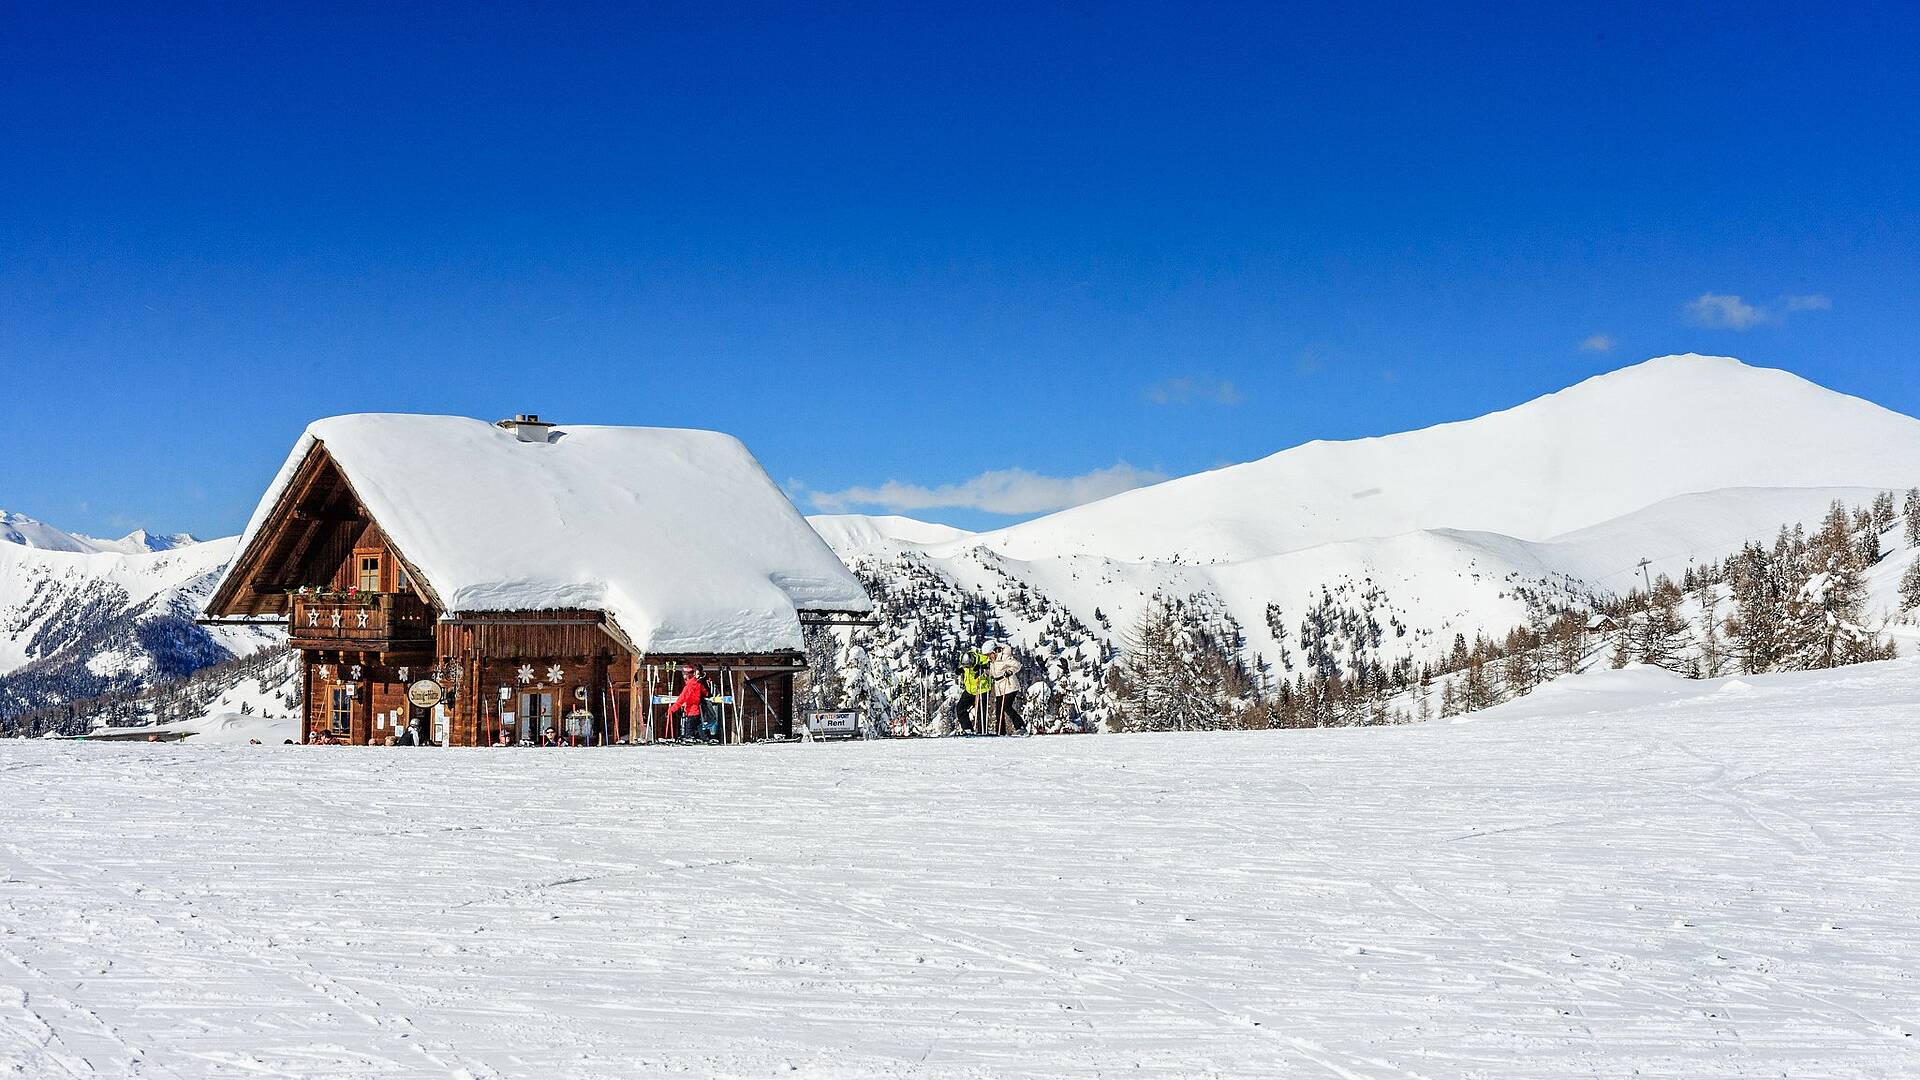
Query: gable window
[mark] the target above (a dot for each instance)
(369, 576)
(340, 711)
(401, 582)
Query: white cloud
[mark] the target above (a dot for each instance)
(1186, 390)
(998, 491)
(1727, 312)
(1598, 343)
(1723, 311)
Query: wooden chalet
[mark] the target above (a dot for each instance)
(462, 578)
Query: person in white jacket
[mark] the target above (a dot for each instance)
(1004, 670)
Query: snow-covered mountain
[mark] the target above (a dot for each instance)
(27, 532)
(1388, 547)
(1594, 452)
(849, 533)
(80, 623)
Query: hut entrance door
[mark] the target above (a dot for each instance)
(536, 715)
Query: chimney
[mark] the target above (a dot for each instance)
(527, 427)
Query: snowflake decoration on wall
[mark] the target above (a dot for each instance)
(403, 674)
(526, 673)
(554, 674)
(356, 673)
(326, 671)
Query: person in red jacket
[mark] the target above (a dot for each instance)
(693, 696)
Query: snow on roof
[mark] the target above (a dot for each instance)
(679, 535)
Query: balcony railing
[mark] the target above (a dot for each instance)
(379, 621)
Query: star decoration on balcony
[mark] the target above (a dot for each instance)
(313, 617)
(526, 673)
(360, 618)
(336, 618)
(554, 674)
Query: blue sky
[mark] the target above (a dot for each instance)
(1092, 243)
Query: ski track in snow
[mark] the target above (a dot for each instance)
(1719, 884)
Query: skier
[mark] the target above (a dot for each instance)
(1005, 672)
(690, 704)
(975, 686)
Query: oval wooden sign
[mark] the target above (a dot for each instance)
(425, 694)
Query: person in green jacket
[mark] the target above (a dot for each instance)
(975, 686)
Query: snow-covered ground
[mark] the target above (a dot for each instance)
(215, 726)
(1625, 874)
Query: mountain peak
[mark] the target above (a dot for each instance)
(1595, 451)
(142, 540)
(31, 532)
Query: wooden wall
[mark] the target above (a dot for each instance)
(491, 651)
(380, 692)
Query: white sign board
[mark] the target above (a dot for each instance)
(834, 723)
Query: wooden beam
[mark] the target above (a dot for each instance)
(300, 549)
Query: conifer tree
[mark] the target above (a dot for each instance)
(1479, 691)
(1147, 674)
(1827, 614)
(1756, 629)
(1713, 649)
(1567, 633)
(1623, 646)
(1663, 633)
(1910, 587)
(1883, 515)
(1912, 514)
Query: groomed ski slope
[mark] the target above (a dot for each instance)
(1625, 874)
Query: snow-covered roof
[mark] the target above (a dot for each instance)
(679, 535)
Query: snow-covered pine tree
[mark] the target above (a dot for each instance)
(1910, 587)
(1828, 611)
(1912, 515)
(1662, 636)
(1883, 512)
(1144, 681)
(1756, 630)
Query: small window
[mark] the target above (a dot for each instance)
(340, 711)
(369, 573)
(401, 582)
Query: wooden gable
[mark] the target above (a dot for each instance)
(315, 535)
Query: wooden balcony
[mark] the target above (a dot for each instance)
(383, 623)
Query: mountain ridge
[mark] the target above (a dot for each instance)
(1677, 425)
